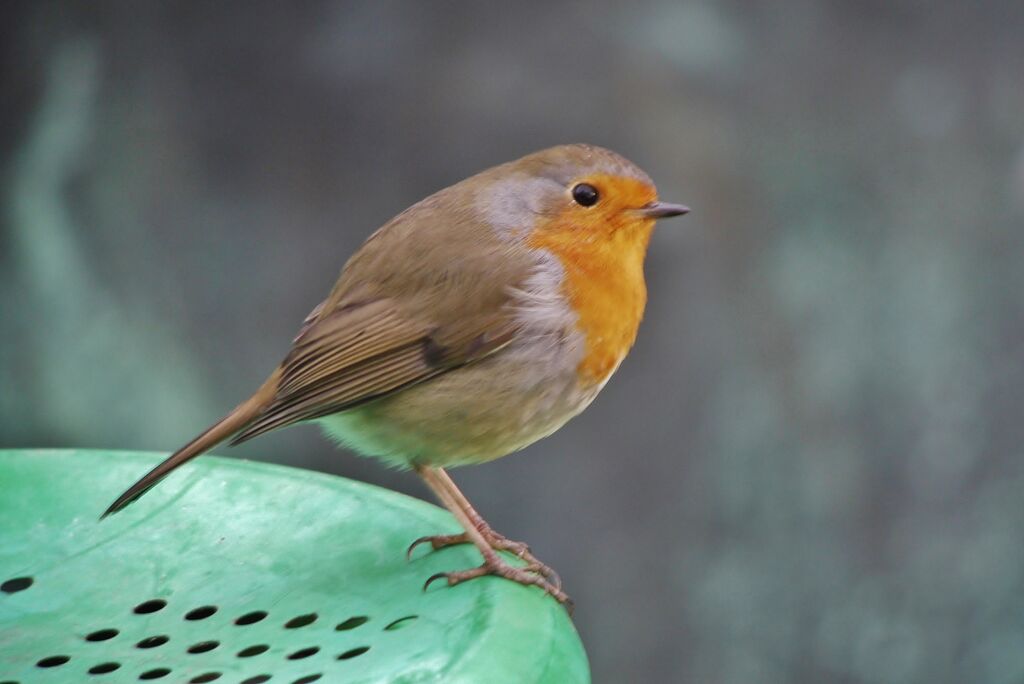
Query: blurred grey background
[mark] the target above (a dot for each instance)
(809, 470)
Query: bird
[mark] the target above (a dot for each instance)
(472, 324)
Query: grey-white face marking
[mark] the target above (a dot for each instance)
(511, 205)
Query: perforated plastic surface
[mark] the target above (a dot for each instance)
(233, 571)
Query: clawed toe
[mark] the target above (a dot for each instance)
(530, 571)
(437, 541)
(497, 542)
(546, 571)
(526, 575)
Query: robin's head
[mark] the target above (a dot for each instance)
(591, 212)
(581, 191)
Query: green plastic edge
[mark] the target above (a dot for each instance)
(511, 608)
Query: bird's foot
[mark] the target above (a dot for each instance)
(497, 542)
(529, 575)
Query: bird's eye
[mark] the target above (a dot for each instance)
(585, 195)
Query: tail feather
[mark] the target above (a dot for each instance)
(227, 426)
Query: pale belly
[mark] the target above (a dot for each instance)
(469, 415)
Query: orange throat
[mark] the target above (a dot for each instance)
(604, 283)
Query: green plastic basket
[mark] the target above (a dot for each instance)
(234, 571)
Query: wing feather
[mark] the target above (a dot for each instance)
(365, 351)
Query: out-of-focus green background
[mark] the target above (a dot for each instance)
(809, 470)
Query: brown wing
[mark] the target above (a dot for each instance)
(428, 292)
(364, 351)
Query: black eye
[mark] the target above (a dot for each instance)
(585, 195)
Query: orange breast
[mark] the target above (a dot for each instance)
(604, 282)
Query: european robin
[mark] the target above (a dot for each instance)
(474, 323)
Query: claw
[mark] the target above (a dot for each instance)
(525, 576)
(438, 541)
(496, 541)
(533, 573)
(433, 578)
(412, 547)
(546, 572)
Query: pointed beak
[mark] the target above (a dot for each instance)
(660, 210)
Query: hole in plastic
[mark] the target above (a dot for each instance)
(153, 641)
(206, 677)
(53, 661)
(251, 618)
(150, 606)
(104, 668)
(307, 679)
(16, 584)
(253, 651)
(401, 623)
(203, 647)
(353, 652)
(258, 679)
(304, 653)
(102, 635)
(155, 673)
(201, 613)
(352, 622)
(301, 621)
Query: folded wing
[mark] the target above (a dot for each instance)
(365, 351)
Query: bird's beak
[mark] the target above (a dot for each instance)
(660, 210)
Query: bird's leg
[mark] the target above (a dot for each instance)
(485, 539)
(495, 541)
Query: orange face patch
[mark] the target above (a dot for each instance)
(602, 250)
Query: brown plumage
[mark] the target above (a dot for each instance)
(470, 325)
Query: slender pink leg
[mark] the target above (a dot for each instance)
(485, 539)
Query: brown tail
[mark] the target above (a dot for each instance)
(227, 426)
